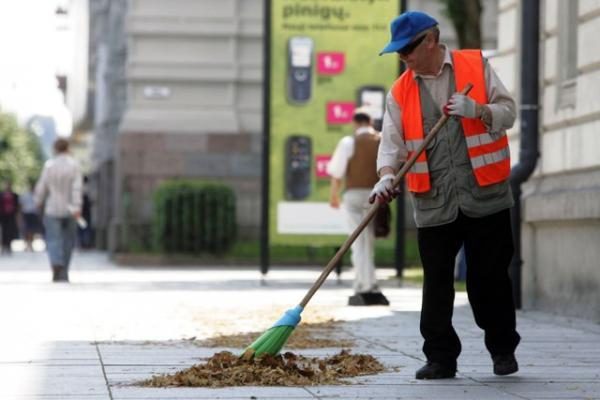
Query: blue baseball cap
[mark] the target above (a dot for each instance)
(405, 27)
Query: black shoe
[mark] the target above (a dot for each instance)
(56, 273)
(505, 364)
(436, 370)
(357, 299)
(64, 275)
(368, 299)
(377, 299)
(60, 274)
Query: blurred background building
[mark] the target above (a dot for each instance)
(150, 90)
(193, 80)
(192, 108)
(561, 201)
(192, 104)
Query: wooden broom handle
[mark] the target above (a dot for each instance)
(407, 165)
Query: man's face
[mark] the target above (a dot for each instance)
(416, 54)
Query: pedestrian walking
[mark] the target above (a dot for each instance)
(459, 187)
(9, 210)
(353, 166)
(59, 188)
(31, 218)
(85, 233)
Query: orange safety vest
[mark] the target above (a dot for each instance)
(490, 157)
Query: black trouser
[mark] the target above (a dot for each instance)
(488, 251)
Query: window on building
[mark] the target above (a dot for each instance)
(567, 54)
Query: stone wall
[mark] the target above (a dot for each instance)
(561, 237)
(146, 159)
(561, 201)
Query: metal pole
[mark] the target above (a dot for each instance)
(529, 141)
(264, 226)
(400, 242)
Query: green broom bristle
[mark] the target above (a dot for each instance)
(271, 342)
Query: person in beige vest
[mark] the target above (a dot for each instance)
(353, 164)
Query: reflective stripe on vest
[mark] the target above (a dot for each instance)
(420, 168)
(413, 145)
(490, 157)
(478, 140)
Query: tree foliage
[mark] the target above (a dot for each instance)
(20, 154)
(466, 19)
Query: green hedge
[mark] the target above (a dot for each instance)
(193, 217)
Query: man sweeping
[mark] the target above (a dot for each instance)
(459, 187)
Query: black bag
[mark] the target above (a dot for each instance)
(383, 219)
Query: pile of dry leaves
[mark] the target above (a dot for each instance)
(227, 369)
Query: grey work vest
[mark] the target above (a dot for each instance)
(453, 184)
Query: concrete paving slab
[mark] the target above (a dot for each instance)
(244, 392)
(411, 391)
(41, 382)
(51, 372)
(58, 353)
(131, 323)
(550, 390)
(542, 375)
(61, 397)
(133, 375)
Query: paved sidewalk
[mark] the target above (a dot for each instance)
(113, 326)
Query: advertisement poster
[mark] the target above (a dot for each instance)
(324, 62)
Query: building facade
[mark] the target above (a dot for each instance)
(193, 78)
(561, 201)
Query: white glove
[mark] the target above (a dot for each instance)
(384, 190)
(461, 106)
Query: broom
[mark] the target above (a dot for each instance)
(272, 341)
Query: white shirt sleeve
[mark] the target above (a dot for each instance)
(41, 188)
(392, 150)
(500, 102)
(344, 150)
